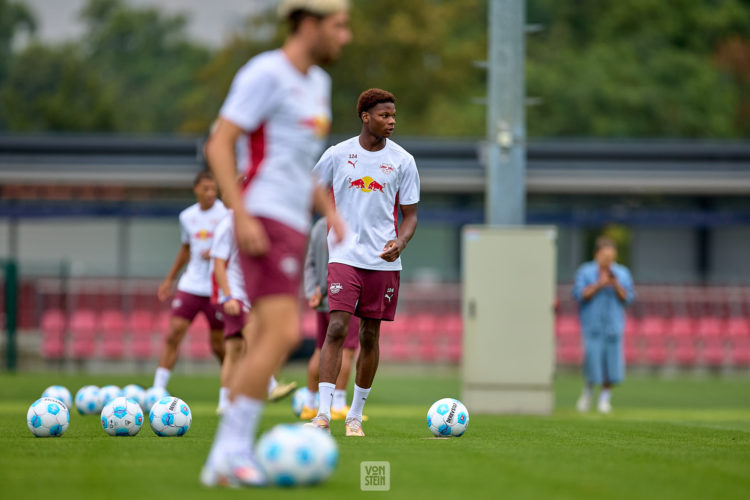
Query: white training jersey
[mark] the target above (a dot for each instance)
(368, 187)
(197, 228)
(286, 116)
(225, 248)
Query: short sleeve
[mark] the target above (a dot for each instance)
(222, 244)
(323, 170)
(251, 98)
(184, 233)
(408, 191)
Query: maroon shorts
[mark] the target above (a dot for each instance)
(233, 325)
(186, 305)
(279, 271)
(352, 336)
(363, 292)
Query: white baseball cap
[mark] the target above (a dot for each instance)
(320, 7)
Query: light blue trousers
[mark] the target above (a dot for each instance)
(604, 360)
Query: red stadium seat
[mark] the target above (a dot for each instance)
(53, 332)
(141, 324)
(83, 333)
(427, 346)
(309, 324)
(713, 352)
(198, 339)
(681, 327)
(567, 326)
(738, 328)
(685, 353)
(656, 351)
(112, 327)
(569, 354)
(163, 318)
(632, 353)
(632, 324)
(741, 353)
(652, 326)
(710, 327)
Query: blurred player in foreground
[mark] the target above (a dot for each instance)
(603, 288)
(197, 225)
(316, 291)
(279, 105)
(229, 292)
(371, 177)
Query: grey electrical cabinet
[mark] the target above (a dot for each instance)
(508, 299)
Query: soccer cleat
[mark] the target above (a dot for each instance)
(281, 391)
(604, 406)
(308, 413)
(354, 427)
(321, 422)
(233, 473)
(584, 403)
(342, 412)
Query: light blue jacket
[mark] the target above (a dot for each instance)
(604, 313)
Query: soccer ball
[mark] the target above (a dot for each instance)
(448, 417)
(59, 392)
(48, 417)
(298, 400)
(170, 416)
(122, 417)
(87, 400)
(136, 392)
(153, 394)
(107, 394)
(294, 454)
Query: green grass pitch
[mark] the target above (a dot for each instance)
(680, 438)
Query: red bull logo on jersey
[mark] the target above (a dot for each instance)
(366, 184)
(319, 124)
(386, 168)
(203, 234)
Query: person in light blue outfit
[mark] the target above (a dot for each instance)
(603, 289)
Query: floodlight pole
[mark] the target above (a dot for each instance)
(505, 202)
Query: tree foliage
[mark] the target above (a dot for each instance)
(610, 69)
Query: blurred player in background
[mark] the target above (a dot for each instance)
(316, 291)
(229, 293)
(371, 177)
(279, 105)
(197, 225)
(603, 288)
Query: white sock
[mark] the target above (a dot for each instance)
(223, 398)
(358, 402)
(310, 399)
(236, 432)
(605, 395)
(161, 378)
(272, 383)
(339, 399)
(325, 389)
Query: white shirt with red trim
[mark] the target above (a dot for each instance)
(197, 228)
(286, 116)
(225, 247)
(368, 187)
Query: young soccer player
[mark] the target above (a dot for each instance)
(316, 291)
(371, 177)
(279, 104)
(197, 225)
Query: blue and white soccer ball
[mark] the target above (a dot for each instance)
(153, 394)
(136, 392)
(59, 392)
(448, 417)
(107, 394)
(170, 416)
(48, 417)
(122, 417)
(87, 400)
(298, 400)
(295, 454)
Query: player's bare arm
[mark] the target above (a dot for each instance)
(231, 306)
(182, 258)
(408, 227)
(251, 237)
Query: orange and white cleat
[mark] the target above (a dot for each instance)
(321, 422)
(354, 427)
(341, 413)
(233, 473)
(308, 413)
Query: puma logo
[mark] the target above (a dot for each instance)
(353, 163)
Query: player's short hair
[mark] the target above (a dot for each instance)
(203, 175)
(604, 242)
(296, 11)
(371, 98)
